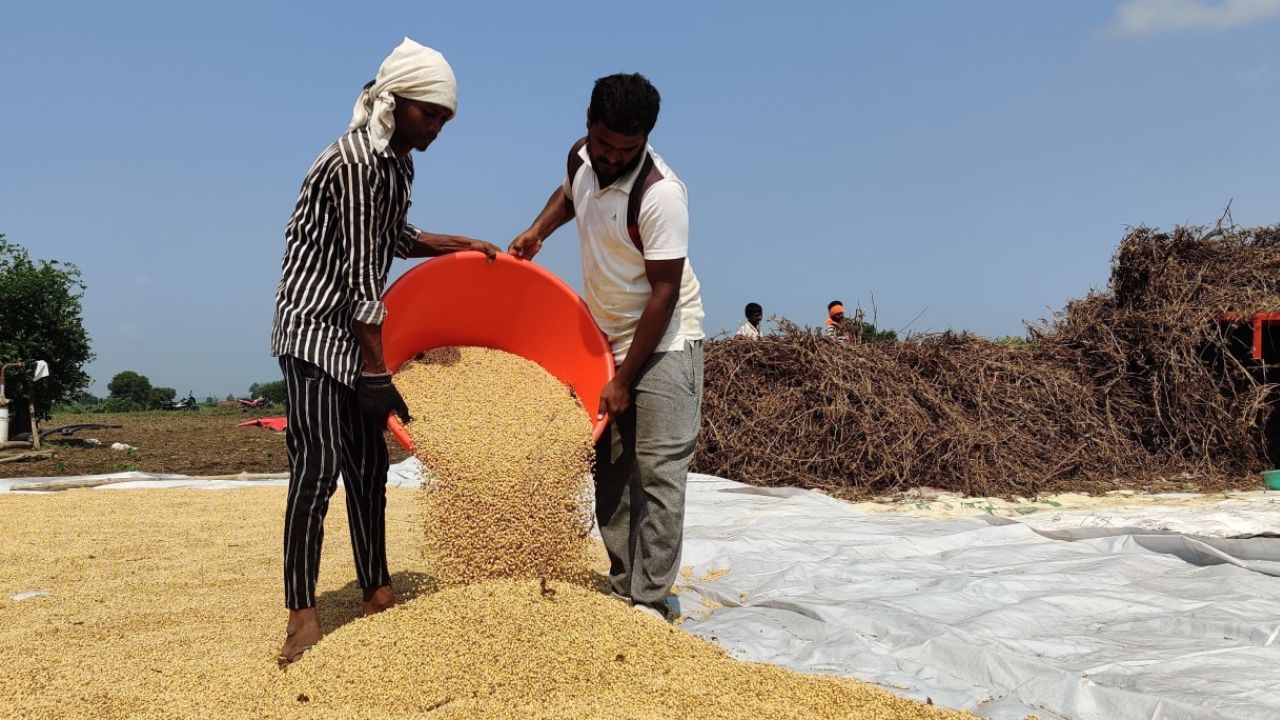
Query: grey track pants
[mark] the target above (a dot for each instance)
(642, 463)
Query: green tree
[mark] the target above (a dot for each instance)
(161, 396)
(276, 391)
(884, 336)
(85, 397)
(128, 388)
(40, 319)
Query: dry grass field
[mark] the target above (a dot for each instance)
(203, 442)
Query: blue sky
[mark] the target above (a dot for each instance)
(971, 163)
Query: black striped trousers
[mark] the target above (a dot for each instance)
(327, 435)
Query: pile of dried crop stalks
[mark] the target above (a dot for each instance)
(1138, 386)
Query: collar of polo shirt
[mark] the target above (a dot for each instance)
(625, 182)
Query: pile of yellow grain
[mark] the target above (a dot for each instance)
(167, 603)
(508, 450)
(503, 649)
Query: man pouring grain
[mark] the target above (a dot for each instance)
(350, 219)
(633, 226)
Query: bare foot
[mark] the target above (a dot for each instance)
(302, 632)
(378, 599)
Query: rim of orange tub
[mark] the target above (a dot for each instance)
(506, 304)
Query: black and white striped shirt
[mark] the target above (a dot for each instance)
(339, 243)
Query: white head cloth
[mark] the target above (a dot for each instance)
(411, 71)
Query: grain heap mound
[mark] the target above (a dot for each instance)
(98, 645)
(508, 452)
(504, 649)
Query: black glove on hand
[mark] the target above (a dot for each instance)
(379, 398)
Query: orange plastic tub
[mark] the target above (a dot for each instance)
(508, 304)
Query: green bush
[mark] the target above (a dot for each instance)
(1015, 341)
(129, 386)
(161, 396)
(119, 405)
(75, 409)
(276, 391)
(42, 321)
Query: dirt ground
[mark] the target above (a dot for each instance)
(208, 441)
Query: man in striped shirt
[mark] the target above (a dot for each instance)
(350, 220)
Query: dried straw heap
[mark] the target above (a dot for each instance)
(1137, 386)
(1181, 383)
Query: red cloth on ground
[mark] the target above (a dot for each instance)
(273, 423)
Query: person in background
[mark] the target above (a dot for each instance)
(836, 327)
(350, 219)
(751, 328)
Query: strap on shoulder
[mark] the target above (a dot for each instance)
(645, 179)
(574, 162)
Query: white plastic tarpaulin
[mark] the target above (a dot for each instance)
(1055, 614)
(403, 474)
(1236, 513)
(986, 613)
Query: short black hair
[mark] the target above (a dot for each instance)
(834, 303)
(753, 308)
(625, 103)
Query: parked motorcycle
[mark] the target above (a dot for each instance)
(258, 403)
(187, 403)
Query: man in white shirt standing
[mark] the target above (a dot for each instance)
(633, 226)
(751, 328)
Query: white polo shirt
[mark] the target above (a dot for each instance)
(613, 274)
